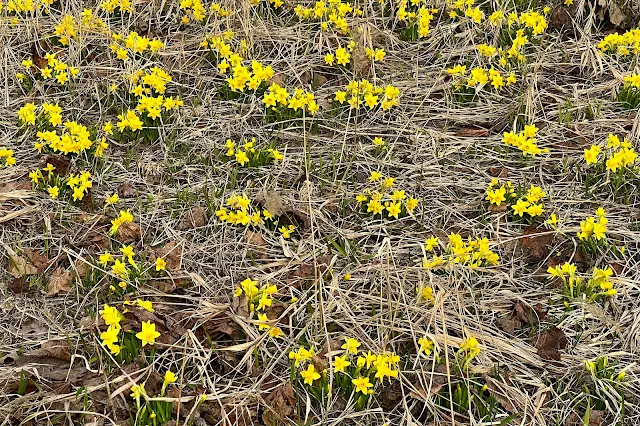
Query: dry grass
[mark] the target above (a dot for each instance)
(317, 182)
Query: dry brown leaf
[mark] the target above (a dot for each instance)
(472, 132)
(60, 281)
(549, 343)
(126, 190)
(59, 162)
(81, 268)
(281, 403)
(195, 217)
(20, 266)
(536, 241)
(531, 315)
(273, 203)
(39, 260)
(128, 232)
(171, 253)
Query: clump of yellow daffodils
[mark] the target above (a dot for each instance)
(479, 77)
(596, 288)
(475, 253)
(525, 140)
(626, 44)
(68, 27)
(56, 70)
(113, 6)
(617, 155)
(123, 217)
(594, 228)
(6, 156)
(353, 372)
(416, 14)
(195, 10)
(469, 349)
(239, 211)
(258, 297)
(363, 92)
(522, 202)
(382, 200)
(134, 44)
(331, 14)
(277, 98)
(247, 153)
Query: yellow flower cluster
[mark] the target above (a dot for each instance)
(194, 9)
(363, 91)
(594, 228)
(595, 288)
(241, 212)
(381, 200)
(110, 6)
(112, 317)
(331, 14)
(300, 99)
(21, 6)
(6, 155)
(224, 50)
(55, 69)
(135, 43)
(525, 140)
(257, 297)
(243, 78)
(249, 154)
(79, 185)
(155, 79)
(469, 349)
(29, 113)
(529, 203)
(625, 44)
(153, 106)
(341, 56)
(460, 8)
(123, 217)
(275, 3)
(474, 253)
(479, 77)
(356, 368)
(632, 80)
(119, 266)
(74, 139)
(68, 27)
(618, 155)
(423, 16)
(533, 20)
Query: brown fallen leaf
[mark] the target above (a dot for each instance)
(171, 253)
(549, 343)
(20, 266)
(531, 315)
(280, 404)
(60, 281)
(501, 172)
(536, 241)
(472, 132)
(81, 268)
(195, 217)
(391, 395)
(59, 162)
(129, 231)
(273, 203)
(39, 260)
(126, 190)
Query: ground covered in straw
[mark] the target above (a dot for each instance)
(267, 212)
